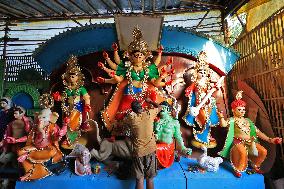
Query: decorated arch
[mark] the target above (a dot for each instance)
(94, 38)
(21, 89)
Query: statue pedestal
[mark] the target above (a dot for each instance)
(176, 176)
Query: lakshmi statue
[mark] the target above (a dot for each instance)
(165, 128)
(75, 103)
(137, 79)
(201, 113)
(242, 143)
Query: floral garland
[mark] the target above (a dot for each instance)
(67, 108)
(143, 82)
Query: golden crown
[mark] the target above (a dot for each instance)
(72, 65)
(138, 44)
(73, 68)
(202, 61)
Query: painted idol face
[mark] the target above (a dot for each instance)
(137, 58)
(239, 111)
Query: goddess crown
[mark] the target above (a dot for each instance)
(138, 43)
(202, 61)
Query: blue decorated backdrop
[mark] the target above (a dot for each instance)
(92, 38)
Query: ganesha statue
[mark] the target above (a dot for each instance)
(42, 146)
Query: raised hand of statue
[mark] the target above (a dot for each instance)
(276, 140)
(105, 55)
(170, 82)
(219, 83)
(126, 54)
(100, 80)
(56, 96)
(11, 140)
(160, 49)
(101, 65)
(111, 74)
(115, 46)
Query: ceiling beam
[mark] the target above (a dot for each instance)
(74, 20)
(194, 2)
(92, 6)
(143, 6)
(153, 5)
(107, 15)
(109, 8)
(32, 7)
(201, 20)
(166, 4)
(48, 7)
(233, 6)
(63, 7)
(13, 9)
(78, 7)
(130, 4)
(118, 6)
(8, 13)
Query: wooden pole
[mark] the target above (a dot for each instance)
(4, 66)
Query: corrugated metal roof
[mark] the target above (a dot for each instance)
(64, 9)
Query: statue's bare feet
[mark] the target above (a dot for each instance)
(25, 177)
(237, 174)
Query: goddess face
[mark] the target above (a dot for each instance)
(202, 73)
(239, 111)
(73, 77)
(137, 58)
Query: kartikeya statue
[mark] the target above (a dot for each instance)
(201, 112)
(242, 143)
(75, 103)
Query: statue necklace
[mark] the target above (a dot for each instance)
(242, 125)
